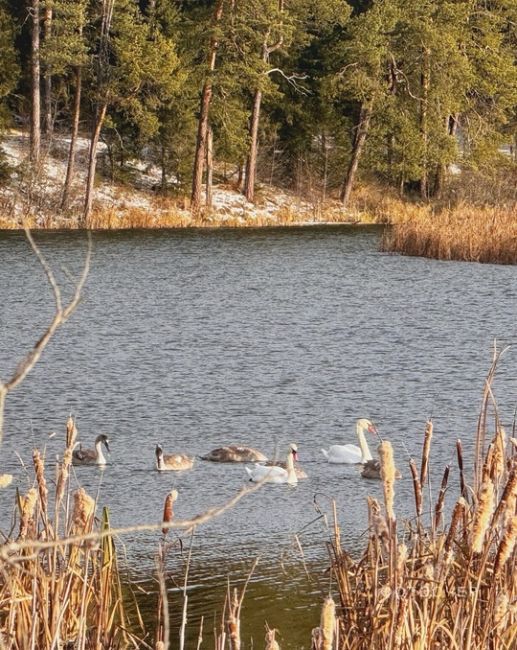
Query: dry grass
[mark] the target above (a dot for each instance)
(69, 595)
(475, 234)
(449, 586)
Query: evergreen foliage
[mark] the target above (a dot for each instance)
(306, 93)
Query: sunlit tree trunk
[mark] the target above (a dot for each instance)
(251, 162)
(70, 169)
(47, 85)
(202, 131)
(424, 107)
(35, 132)
(209, 167)
(92, 162)
(357, 150)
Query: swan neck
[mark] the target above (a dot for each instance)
(291, 473)
(101, 460)
(365, 450)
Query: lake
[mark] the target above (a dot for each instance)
(199, 338)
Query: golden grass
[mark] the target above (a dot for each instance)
(467, 233)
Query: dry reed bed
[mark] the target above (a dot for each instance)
(473, 234)
(444, 585)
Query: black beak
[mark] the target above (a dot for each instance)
(106, 444)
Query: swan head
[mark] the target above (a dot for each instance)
(103, 440)
(293, 448)
(366, 425)
(158, 451)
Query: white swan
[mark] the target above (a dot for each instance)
(276, 474)
(352, 453)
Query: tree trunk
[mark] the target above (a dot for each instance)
(92, 163)
(424, 105)
(47, 87)
(73, 140)
(209, 168)
(35, 132)
(451, 125)
(251, 162)
(357, 150)
(206, 98)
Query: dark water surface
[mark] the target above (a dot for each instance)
(201, 338)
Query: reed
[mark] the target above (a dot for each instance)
(466, 233)
(451, 586)
(70, 595)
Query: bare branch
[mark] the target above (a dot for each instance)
(7, 551)
(292, 79)
(61, 315)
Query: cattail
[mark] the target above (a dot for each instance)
(501, 607)
(484, 511)
(457, 515)
(402, 555)
(39, 468)
(507, 545)
(399, 622)
(271, 642)
(71, 432)
(498, 457)
(459, 455)
(160, 645)
(438, 510)
(63, 475)
(378, 526)
(328, 623)
(417, 487)
(82, 514)
(5, 480)
(388, 473)
(168, 511)
(506, 506)
(28, 506)
(428, 435)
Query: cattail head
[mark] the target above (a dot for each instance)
(457, 514)
(71, 432)
(328, 623)
(168, 509)
(484, 511)
(507, 545)
(5, 480)
(82, 514)
(28, 505)
(378, 526)
(62, 477)
(501, 607)
(388, 474)
(39, 469)
(498, 457)
(428, 435)
(402, 555)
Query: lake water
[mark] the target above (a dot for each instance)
(196, 339)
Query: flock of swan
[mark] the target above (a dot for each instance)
(263, 469)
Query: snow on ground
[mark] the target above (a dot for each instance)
(40, 196)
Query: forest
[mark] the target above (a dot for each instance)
(309, 95)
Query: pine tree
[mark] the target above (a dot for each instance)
(134, 66)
